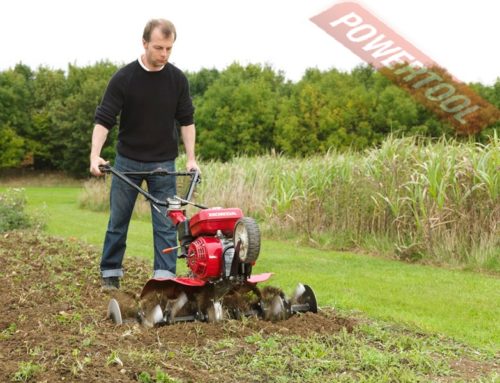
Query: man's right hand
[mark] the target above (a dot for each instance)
(94, 165)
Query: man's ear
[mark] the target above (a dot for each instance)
(144, 43)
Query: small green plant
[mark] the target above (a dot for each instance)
(8, 332)
(26, 371)
(144, 377)
(12, 214)
(161, 377)
(113, 358)
(65, 318)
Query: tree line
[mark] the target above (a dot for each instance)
(46, 115)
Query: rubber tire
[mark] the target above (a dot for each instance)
(251, 227)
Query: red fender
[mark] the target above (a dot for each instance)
(259, 278)
(166, 283)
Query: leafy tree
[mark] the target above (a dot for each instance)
(200, 81)
(15, 120)
(492, 95)
(12, 147)
(49, 90)
(325, 110)
(48, 114)
(394, 112)
(73, 117)
(237, 113)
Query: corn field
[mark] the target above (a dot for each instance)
(436, 202)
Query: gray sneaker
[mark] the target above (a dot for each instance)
(110, 283)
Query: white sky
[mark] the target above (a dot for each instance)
(462, 36)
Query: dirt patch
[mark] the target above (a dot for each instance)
(53, 325)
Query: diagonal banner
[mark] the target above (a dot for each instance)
(407, 66)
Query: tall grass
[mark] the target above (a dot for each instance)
(95, 197)
(428, 201)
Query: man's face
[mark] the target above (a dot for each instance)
(158, 49)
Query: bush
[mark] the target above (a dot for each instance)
(12, 211)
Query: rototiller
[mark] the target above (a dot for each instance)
(220, 246)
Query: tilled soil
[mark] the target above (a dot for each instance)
(53, 324)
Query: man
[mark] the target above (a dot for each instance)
(149, 94)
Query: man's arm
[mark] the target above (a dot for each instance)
(188, 133)
(99, 136)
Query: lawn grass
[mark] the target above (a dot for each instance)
(464, 305)
(459, 304)
(65, 219)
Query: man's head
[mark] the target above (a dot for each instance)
(158, 39)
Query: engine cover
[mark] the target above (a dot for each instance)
(208, 221)
(204, 257)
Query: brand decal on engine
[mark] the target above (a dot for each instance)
(222, 214)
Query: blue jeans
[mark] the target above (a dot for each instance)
(122, 201)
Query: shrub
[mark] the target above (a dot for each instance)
(12, 211)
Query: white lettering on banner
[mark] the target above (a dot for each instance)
(459, 116)
(370, 33)
(411, 68)
(351, 19)
(445, 105)
(432, 77)
(381, 48)
(397, 58)
(429, 93)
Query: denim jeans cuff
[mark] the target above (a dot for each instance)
(112, 273)
(163, 274)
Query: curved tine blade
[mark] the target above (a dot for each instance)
(310, 298)
(297, 293)
(215, 313)
(114, 312)
(177, 305)
(306, 302)
(153, 317)
(277, 308)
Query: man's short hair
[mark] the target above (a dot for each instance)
(166, 28)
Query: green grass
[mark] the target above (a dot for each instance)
(372, 353)
(459, 304)
(65, 219)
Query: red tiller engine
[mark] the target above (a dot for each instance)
(204, 257)
(208, 237)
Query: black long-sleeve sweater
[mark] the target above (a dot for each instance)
(149, 103)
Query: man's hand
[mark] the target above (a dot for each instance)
(95, 161)
(192, 165)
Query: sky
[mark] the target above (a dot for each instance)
(462, 36)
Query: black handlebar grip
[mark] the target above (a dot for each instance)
(105, 168)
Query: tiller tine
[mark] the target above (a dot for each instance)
(190, 303)
(114, 311)
(303, 300)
